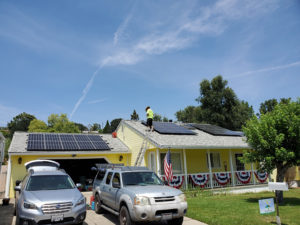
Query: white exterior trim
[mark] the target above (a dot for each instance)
(7, 185)
(33, 153)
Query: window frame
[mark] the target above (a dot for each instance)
(162, 163)
(212, 162)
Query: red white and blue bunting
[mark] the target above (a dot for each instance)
(243, 176)
(261, 176)
(200, 179)
(222, 178)
(176, 182)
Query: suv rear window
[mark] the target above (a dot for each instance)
(49, 182)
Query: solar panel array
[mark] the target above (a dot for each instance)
(169, 128)
(216, 130)
(65, 142)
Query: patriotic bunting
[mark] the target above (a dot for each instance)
(176, 182)
(261, 176)
(243, 176)
(200, 179)
(222, 178)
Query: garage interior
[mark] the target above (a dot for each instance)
(80, 170)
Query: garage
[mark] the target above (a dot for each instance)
(76, 153)
(80, 170)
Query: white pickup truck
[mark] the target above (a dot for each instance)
(136, 194)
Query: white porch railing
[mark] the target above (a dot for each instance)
(219, 179)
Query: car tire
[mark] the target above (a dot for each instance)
(124, 217)
(18, 220)
(98, 208)
(177, 221)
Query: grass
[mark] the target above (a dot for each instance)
(238, 209)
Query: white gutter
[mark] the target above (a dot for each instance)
(68, 153)
(8, 178)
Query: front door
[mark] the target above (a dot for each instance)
(152, 161)
(239, 166)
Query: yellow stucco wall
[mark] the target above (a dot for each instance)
(18, 171)
(134, 142)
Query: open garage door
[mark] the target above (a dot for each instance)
(80, 170)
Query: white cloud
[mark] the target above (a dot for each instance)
(267, 69)
(212, 20)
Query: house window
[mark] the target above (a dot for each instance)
(176, 163)
(239, 165)
(152, 162)
(215, 161)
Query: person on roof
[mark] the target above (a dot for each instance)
(149, 118)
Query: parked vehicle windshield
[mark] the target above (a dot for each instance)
(140, 178)
(49, 182)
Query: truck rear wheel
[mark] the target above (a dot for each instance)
(177, 221)
(124, 217)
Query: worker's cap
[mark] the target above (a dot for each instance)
(148, 107)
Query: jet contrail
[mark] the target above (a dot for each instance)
(85, 91)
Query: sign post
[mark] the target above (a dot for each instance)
(278, 186)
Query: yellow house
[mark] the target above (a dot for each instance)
(76, 159)
(199, 158)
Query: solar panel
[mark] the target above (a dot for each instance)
(169, 128)
(36, 137)
(86, 145)
(67, 138)
(216, 130)
(65, 142)
(70, 145)
(100, 145)
(53, 145)
(35, 145)
(81, 137)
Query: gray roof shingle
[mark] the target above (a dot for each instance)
(201, 140)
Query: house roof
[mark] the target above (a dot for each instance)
(201, 140)
(19, 145)
(2, 138)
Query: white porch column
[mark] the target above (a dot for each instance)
(210, 171)
(253, 175)
(231, 168)
(8, 175)
(185, 170)
(157, 163)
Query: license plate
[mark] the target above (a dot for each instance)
(57, 218)
(167, 216)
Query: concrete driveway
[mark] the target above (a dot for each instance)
(92, 218)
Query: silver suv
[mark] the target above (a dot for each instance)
(48, 195)
(136, 194)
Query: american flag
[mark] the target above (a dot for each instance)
(168, 167)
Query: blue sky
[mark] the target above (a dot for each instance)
(100, 60)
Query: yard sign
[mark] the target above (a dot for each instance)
(266, 206)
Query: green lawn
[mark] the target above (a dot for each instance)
(231, 209)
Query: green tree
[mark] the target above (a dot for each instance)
(61, 124)
(37, 126)
(157, 117)
(269, 105)
(115, 123)
(20, 123)
(81, 127)
(134, 115)
(107, 128)
(275, 139)
(95, 127)
(165, 119)
(220, 105)
(191, 114)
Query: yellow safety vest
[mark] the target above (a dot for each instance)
(149, 114)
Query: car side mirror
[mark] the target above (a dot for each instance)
(116, 185)
(78, 185)
(17, 188)
(18, 182)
